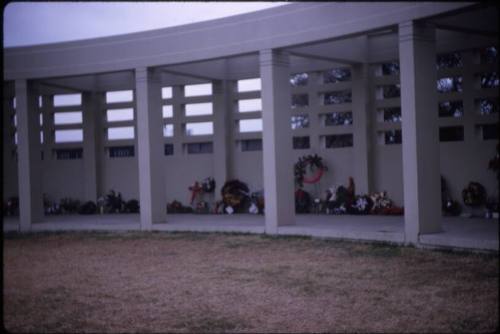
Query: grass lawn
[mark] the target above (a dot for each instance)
(191, 282)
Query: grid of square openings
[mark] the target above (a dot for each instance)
(120, 115)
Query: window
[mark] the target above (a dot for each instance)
(488, 131)
(251, 145)
(338, 118)
(488, 55)
(250, 125)
(300, 100)
(198, 90)
(338, 141)
(391, 68)
(451, 109)
(123, 132)
(72, 117)
(169, 149)
(392, 137)
(451, 133)
(199, 128)
(14, 103)
(249, 105)
(121, 151)
(69, 153)
(391, 115)
(388, 91)
(449, 60)
(300, 122)
(120, 96)
(117, 115)
(199, 148)
(68, 136)
(489, 80)
(64, 100)
(167, 111)
(337, 97)
(337, 75)
(450, 84)
(198, 109)
(166, 92)
(299, 79)
(301, 143)
(487, 106)
(168, 130)
(249, 85)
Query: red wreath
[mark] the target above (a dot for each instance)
(315, 177)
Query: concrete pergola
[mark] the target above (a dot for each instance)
(270, 44)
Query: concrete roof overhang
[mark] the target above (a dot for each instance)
(317, 35)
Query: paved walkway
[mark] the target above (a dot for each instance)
(480, 234)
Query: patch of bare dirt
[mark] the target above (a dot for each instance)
(186, 282)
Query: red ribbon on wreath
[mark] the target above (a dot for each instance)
(315, 177)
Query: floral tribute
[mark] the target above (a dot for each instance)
(474, 194)
(315, 165)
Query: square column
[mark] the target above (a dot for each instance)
(223, 132)
(28, 152)
(277, 140)
(361, 128)
(150, 140)
(178, 115)
(420, 136)
(92, 136)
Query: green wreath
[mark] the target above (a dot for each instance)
(315, 165)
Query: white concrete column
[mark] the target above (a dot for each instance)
(92, 137)
(277, 140)
(223, 132)
(152, 191)
(28, 150)
(421, 177)
(361, 128)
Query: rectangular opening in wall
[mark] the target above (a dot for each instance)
(299, 79)
(69, 153)
(390, 115)
(488, 55)
(249, 85)
(13, 103)
(390, 68)
(64, 100)
(167, 111)
(249, 105)
(300, 122)
(118, 115)
(251, 145)
(451, 133)
(337, 118)
(449, 84)
(169, 149)
(451, 109)
(250, 125)
(487, 106)
(337, 75)
(168, 130)
(68, 136)
(198, 90)
(166, 92)
(199, 128)
(337, 97)
(338, 141)
(119, 96)
(488, 80)
(121, 151)
(487, 131)
(449, 60)
(391, 137)
(198, 109)
(15, 138)
(199, 148)
(388, 91)
(301, 143)
(40, 103)
(300, 100)
(122, 132)
(70, 117)
(41, 137)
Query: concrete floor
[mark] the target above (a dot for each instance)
(466, 233)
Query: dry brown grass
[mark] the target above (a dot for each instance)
(185, 282)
